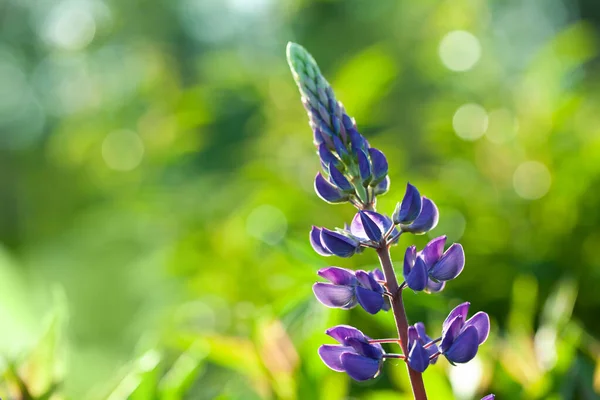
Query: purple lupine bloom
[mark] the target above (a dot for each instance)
(379, 165)
(409, 209)
(418, 357)
(370, 227)
(414, 270)
(461, 338)
(427, 219)
(327, 243)
(349, 288)
(489, 397)
(354, 355)
(328, 191)
(429, 268)
(431, 350)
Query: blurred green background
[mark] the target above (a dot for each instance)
(156, 192)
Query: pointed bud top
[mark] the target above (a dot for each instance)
(410, 207)
(298, 59)
(379, 165)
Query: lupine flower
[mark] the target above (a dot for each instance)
(489, 397)
(461, 337)
(349, 288)
(328, 191)
(420, 357)
(357, 171)
(370, 227)
(431, 350)
(429, 268)
(354, 355)
(415, 270)
(427, 219)
(327, 243)
(409, 209)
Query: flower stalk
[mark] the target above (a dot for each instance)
(354, 172)
(416, 378)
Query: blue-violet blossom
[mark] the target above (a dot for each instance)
(461, 338)
(354, 355)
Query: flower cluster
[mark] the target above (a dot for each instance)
(349, 288)
(352, 170)
(355, 172)
(355, 355)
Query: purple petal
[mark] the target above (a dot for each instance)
(326, 156)
(420, 327)
(366, 349)
(413, 335)
(410, 207)
(481, 322)
(371, 301)
(434, 287)
(337, 275)
(370, 228)
(330, 354)
(489, 397)
(327, 191)
(338, 244)
(317, 137)
(431, 350)
(378, 274)
(418, 359)
(433, 251)
(368, 282)
(340, 148)
(358, 367)
(358, 229)
(315, 242)
(357, 140)
(410, 256)
(461, 309)
(364, 167)
(450, 265)
(342, 332)
(383, 186)
(417, 278)
(464, 347)
(335, 296)
(427, 219)
(379, 164)
(451, 332)
(339, 180)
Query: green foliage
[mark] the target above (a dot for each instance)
(157, 194)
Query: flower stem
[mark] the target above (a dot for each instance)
(398, 356)
(416, 379)
(396, 340)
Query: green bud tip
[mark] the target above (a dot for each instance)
(300, 61)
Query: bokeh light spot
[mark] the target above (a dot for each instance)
(532, 180)
(470, 121)
(459, 50)
(267, 223)
(122, 150)
(502, 126)
(465, 378)
(70, 25)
